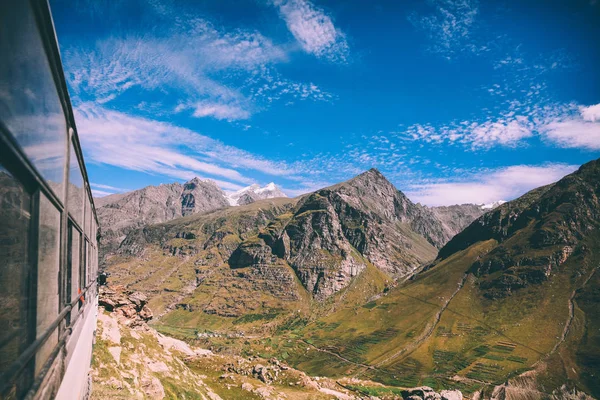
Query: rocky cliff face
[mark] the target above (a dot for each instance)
(201, 196)
(121, 213)
(334, 232)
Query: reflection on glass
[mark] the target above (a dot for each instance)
(88, 215)
(15, 204)
(74, 260)
(29, 104)
(86, 267)
(48, 271)
(76, 191)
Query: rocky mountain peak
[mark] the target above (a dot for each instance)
(200, 196)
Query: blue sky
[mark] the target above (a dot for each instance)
(453, 100)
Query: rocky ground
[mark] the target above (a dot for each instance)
(134, 361)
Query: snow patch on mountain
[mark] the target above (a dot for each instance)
(253, 193)
(491, 206)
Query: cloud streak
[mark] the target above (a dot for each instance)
(314, 30)
(561, 125)
(140, 144)
(501, 184)
(575, 131)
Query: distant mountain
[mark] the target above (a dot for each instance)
(326, 238)
(253, 193)
(456, 217)
(120, 213)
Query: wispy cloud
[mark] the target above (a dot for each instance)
(228, 112)
(314, 29)
(195, 66)
(506, 131)
(190, 60)
(101, 193)
(500, 184)
(563, 125)
(141, 144)
(108, 187)
(449, 26)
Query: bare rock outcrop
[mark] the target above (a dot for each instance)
(130, 306)
(334, 232)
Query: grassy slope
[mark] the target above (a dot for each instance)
(480, 341)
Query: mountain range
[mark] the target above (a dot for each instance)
(356, 280)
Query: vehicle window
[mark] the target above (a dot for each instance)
(76, 191)
(48, 276)
(29, 104)
(15, 219)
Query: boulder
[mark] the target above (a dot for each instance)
(451, 395)
(421, 393)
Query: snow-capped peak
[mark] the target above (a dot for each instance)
(254, 192)
(491, 206)
(271, 187)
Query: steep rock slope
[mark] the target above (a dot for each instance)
(120, 213)
(335, 232)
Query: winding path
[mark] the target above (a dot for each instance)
(425, 335)
(337, 355)
(565, 332)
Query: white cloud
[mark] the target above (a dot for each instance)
(108, 187)
(226, 75)
(563, 125)
(501, 132)
(220, 111)
(141, 144)
(502, 184)
(449, 26)
(591, 113)
(579, 128)
(313, 29)
(100, 193)
(217, 73)
(574, 134)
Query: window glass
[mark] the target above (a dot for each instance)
(76, 191)
(47, 276)
(29, 104)
(88, 220)
(15, 205)
(74, 258)
(85, 265)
